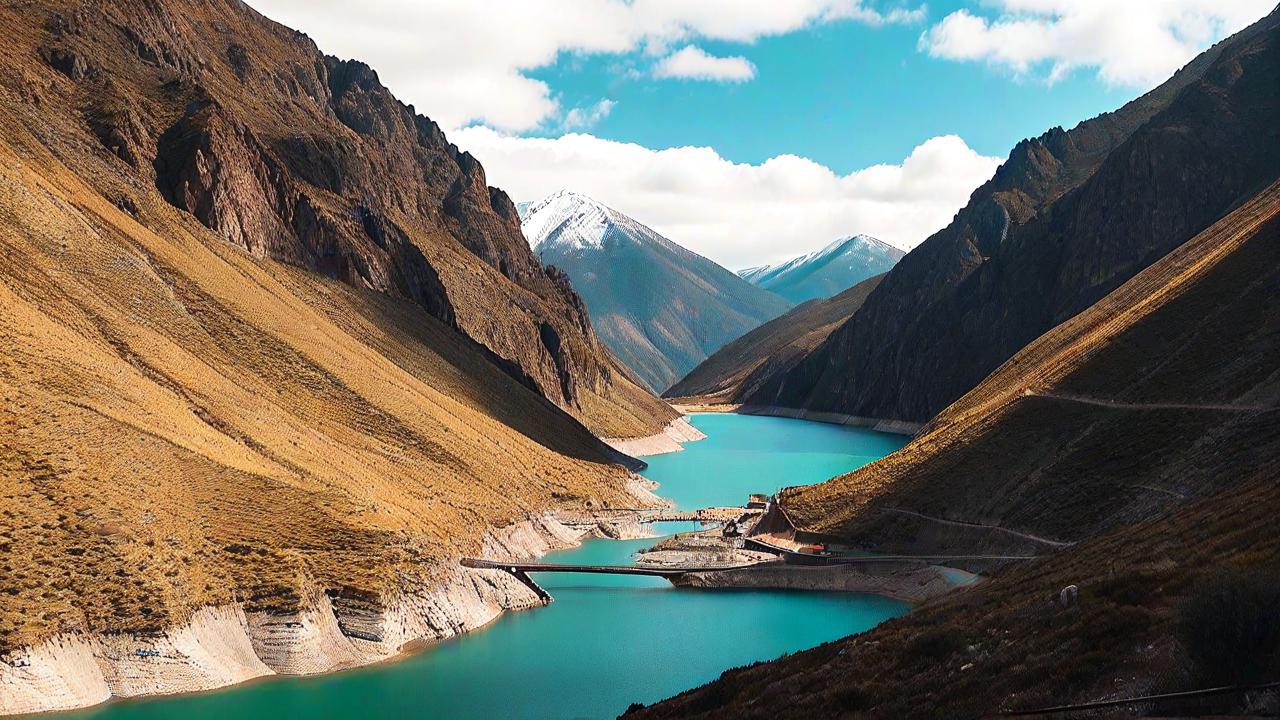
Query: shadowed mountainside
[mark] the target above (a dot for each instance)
(1069, 217)
(659, 307)
(1132, 446)
(300, 157)
(738, 369)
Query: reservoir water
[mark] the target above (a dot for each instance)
(606, 641)
(746, 453)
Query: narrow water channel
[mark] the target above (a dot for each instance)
(606, 641)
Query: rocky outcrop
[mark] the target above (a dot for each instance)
(1068, 218)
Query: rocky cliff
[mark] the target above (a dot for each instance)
(303, 158)
(1070, 216)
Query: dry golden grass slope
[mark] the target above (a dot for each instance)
(182, 424)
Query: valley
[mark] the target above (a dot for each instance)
(604, 641)
(302, 417)
(660, 308)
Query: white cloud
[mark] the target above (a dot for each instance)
(586, 118)
(1132, 43)
(739, 214)
(693, 63)
(461, 61)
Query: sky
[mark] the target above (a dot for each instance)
(751, 131)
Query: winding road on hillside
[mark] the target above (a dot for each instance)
(966, 524)
(1099, 402)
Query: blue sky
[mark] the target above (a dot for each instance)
(845, 94)
(751, 131)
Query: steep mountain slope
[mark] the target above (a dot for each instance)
(1069, 217)
(826, 272)
(659, 307)
(1133, 446)
(186, 426)
(251, 442)
(307, 159)
(737, 369)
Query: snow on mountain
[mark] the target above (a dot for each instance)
(659, 307)
(826, 272)
(571, 221)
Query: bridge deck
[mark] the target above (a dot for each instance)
(667, 572)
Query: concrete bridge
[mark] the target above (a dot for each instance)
(520, 568)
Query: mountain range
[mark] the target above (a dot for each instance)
(274, 357)
(823, 273)
(659, 307)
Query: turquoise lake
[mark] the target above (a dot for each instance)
(606, 641)
(744, 454)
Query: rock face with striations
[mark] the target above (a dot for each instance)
(304, 158)
(1069, 217)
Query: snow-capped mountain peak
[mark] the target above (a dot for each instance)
(826, 271)
(569, 220)
(659, 307)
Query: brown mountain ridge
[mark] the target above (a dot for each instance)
(738, 369)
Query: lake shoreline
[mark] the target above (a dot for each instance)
(914, 585)
(895, 427)
(759, 570)
(671, 439)
(226, 646)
